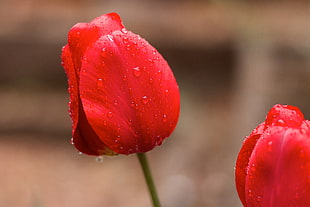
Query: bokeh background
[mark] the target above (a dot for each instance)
(233, 60)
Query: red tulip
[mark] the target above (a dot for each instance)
(123, 95)
(273, 165)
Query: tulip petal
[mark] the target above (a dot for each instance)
(278, 172)
(72, 85)
(273, 165)
(284, 115)
(243, 161)
(83, 35)
(123, 95)
(86, 140)
(129, 93)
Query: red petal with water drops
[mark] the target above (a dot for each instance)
(86, 140)
(278, 166)
(126, 89)
(129, 93)
(72, 86)
(243, 160)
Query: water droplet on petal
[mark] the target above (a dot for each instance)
(104, 122)
(115, 102)
(281, 121)
(167, 91)
(110, 37)
(80, 153)
(132, 104)
(118, 138)
(158, 140)
(110, 114)
(145, 99)
(129, 122)
(71, 140)
(136, 71)
(165, 118)
(303, 131)
(125, 40)
(99, 158)
(100, 83)
(124, 30)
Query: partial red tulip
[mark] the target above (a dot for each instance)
(123, 95)
(273, 165)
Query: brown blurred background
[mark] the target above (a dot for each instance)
(233, 60)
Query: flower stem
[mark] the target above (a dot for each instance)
(148, 178)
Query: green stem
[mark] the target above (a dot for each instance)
(148, 178)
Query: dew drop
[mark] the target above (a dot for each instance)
(136, 71)
(83, 71)
(158, 140)
(129, 121)
(280, 121)
(151, 80)
(110, 114)
(110, 37)
(270, 146)
(80, 153)
(145, 99)
(253, 168)
(124, 77)
(132, 104)
(99, 158)
(130, 90)
(115, 102)
(104, 122)
(125, 40)
(118, 138)
(100, 83)
(71, 141)
(128, 47)
(165, 118)
(167, 91)
(124, 30)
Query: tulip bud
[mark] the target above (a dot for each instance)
(123, 95)
(273, 165)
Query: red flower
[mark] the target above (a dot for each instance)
(273, 165)
(123, 95)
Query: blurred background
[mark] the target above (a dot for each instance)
(233, 61)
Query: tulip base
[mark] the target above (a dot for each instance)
(148, 178)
